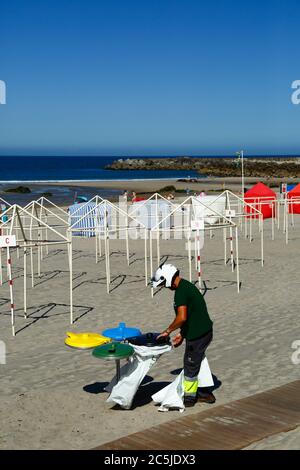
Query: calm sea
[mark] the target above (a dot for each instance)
(21, 169)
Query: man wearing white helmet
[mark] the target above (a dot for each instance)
(195, 327)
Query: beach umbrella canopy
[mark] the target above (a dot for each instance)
(294, 208)
(261, 197)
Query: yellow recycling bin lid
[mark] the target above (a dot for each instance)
(85, 340)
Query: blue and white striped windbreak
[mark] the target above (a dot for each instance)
(93, 221)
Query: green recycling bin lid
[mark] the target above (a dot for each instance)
(113, 351)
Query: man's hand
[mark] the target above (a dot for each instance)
(177, 340)
(164, 334)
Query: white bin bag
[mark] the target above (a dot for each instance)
(171, 396)
(133, 373)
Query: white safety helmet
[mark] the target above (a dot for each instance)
(163, 276)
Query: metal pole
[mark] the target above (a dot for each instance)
(199, 260)
(70, 256)
(287, 225)
(190, 255)
(46, 220)
(231, 248)
(127, 240)
(118, 370)
(225, 244)
(31, 251)
(284, 215)
(243, 186)
(1, 275)
(158, 232)
(250, 224)
(272, 206)
(25, 280)
(145, 256)
(237, 259)
(262, 241)
(106, 252)
(151, 259)
(12, 307)
(96, 240)
(100, 243)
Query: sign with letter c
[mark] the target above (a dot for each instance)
(8, 241)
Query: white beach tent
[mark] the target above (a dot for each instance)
(194, 218)
(88, 214)
(150, 211)
(17, 233)
(244, 214)
(55, 220)
(83, 215)
(46, 203)
(117, 226)
(207, 211)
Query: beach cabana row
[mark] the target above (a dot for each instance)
(23, 225)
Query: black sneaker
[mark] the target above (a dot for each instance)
(189, 401)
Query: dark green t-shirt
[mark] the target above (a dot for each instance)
(198, 322)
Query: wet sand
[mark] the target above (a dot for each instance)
(204, 184)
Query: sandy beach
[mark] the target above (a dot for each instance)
(64, 192)
(52, 396)
(151, 185)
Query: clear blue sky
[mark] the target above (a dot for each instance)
(152, 77)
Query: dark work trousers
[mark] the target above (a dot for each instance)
(193, 356)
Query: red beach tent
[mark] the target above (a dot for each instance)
(294, 207)
(261, 196)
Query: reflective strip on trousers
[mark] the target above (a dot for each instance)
(190, 386)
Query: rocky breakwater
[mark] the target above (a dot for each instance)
(280, 167)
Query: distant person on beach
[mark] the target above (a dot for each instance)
(195, 325)
(4, 218)
(133, 198)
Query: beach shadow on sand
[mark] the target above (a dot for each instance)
(50, 310)
(142, 396)
(145, 391)
(115, 282)
(96, 387)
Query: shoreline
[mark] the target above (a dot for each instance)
(148, 185)
(72, 181)
(63, 192)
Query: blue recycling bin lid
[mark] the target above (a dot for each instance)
(121, 332)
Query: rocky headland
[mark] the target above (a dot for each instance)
(281, 167)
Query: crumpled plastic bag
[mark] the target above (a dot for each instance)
(171, 396)
(133, 373)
